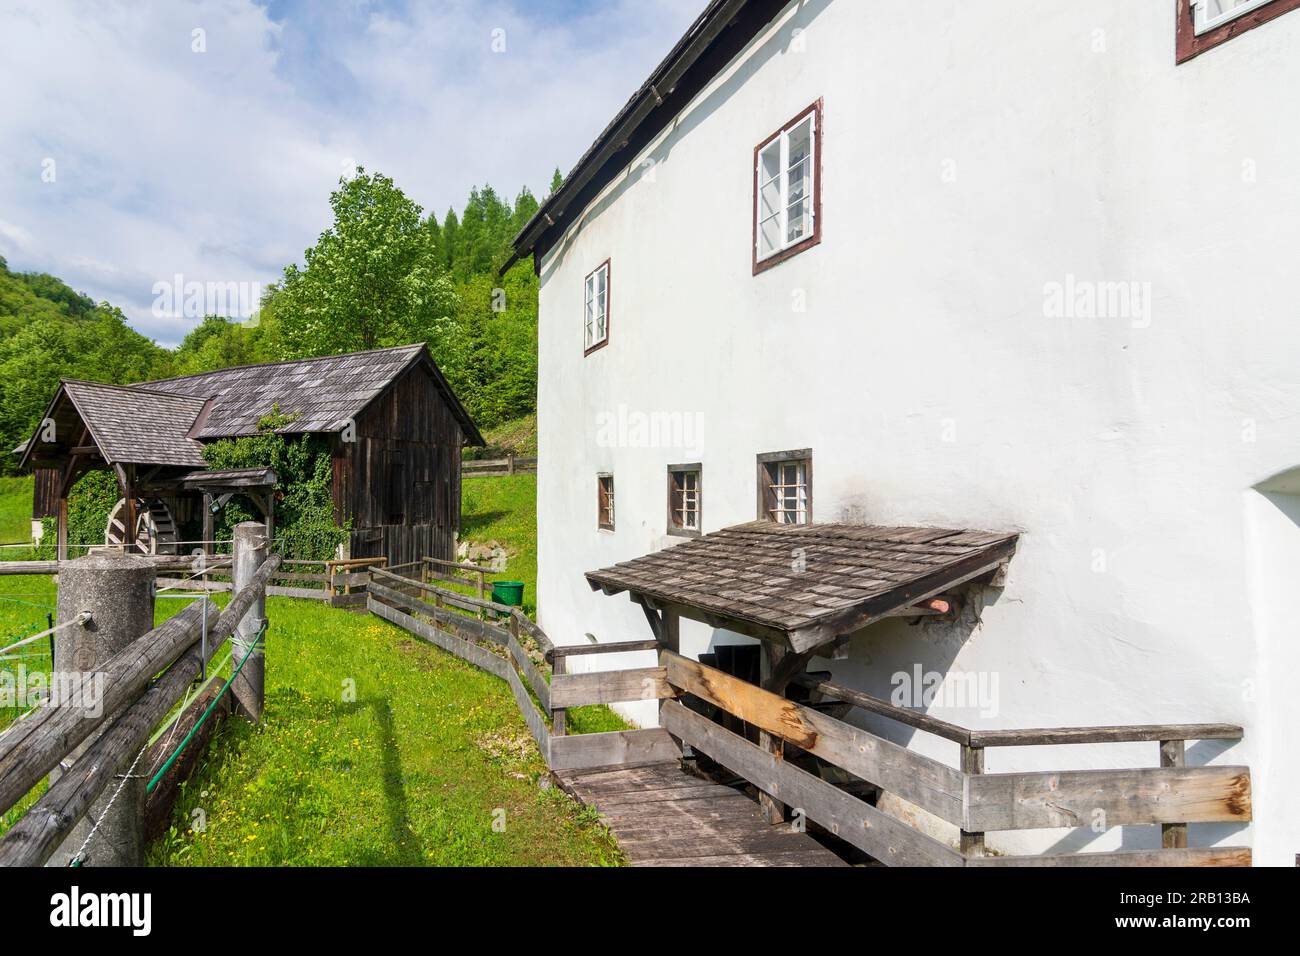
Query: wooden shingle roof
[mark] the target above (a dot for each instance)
(807, 584)
(133, 425)
(165, 422)
(322, 393)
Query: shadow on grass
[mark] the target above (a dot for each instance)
(235, 735)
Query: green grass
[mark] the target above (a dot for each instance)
(414, 770)
(504, 509)
(15, 510)
(517, 437)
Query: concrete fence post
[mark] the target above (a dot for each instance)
(118, 592)
(252, 547)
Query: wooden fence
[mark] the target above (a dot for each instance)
(440, 617)
(495, 467)
(1169, 795)
(341, 582)
(87, 749)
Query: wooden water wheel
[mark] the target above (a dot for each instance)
(155, 531)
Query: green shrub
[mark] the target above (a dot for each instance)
(304, 508)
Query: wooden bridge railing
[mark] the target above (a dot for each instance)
(1170, 795)
(129, 700)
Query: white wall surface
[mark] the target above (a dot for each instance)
(974, 154)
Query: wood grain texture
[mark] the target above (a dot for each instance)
(1076, 798)
(886, 839)
(608, 687)
(1198, 856)
(612, 748)
(921, 780)
(662, 816)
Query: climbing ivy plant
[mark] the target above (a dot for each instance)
(304, 507)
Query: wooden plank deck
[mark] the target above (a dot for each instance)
(663, 816)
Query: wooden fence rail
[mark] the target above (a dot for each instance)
(495, 467)
(976, 802)
(430, 613)
(129, 699)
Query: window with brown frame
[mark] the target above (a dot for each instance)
(684, 500)
(1204, 24)
(788, 190)
(785, 486)
(595, 295)
(605, 502)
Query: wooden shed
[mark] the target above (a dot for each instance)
(395, 429)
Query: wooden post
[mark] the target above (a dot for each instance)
(972, 762)
(61, 538)
(252, 546)
(126, 475)
(1173, 753)
(772, 681)
(482, 590)
(559, 716)
(209, 524)
(510, 464)
(118, 591)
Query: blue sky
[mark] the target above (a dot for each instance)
(133, 148)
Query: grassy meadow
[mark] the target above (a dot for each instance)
(376, 748)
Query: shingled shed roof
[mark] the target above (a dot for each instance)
(132, 425)
(322, 393)
(805, 584)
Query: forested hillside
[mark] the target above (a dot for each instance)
(384, 273)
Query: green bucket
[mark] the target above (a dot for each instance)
(508, 592)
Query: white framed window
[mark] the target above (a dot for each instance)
(1209, 14)
(785, 486)
(596, 308)
(787, 203)
(684, 499)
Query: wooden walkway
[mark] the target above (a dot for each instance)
(663, 816)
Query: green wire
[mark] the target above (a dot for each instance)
(212, 706)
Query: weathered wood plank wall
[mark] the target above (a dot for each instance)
(399, 481)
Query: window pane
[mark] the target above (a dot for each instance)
(1215, 12)
(769, 202)
(769, 236)
(601, 276)
(800, 142)
(799, 182)
(798, 221)
(769, 162)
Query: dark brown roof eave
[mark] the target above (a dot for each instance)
(645, 102)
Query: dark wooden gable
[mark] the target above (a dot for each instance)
(398, 479)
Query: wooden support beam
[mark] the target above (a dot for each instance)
(972, 841)
(1173, 753)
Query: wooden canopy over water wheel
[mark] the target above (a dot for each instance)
(155, 530)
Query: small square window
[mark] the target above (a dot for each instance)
(605, 502)
(785, 486)
(596, 309)
(684, 500)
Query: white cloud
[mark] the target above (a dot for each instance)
(217, 165)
